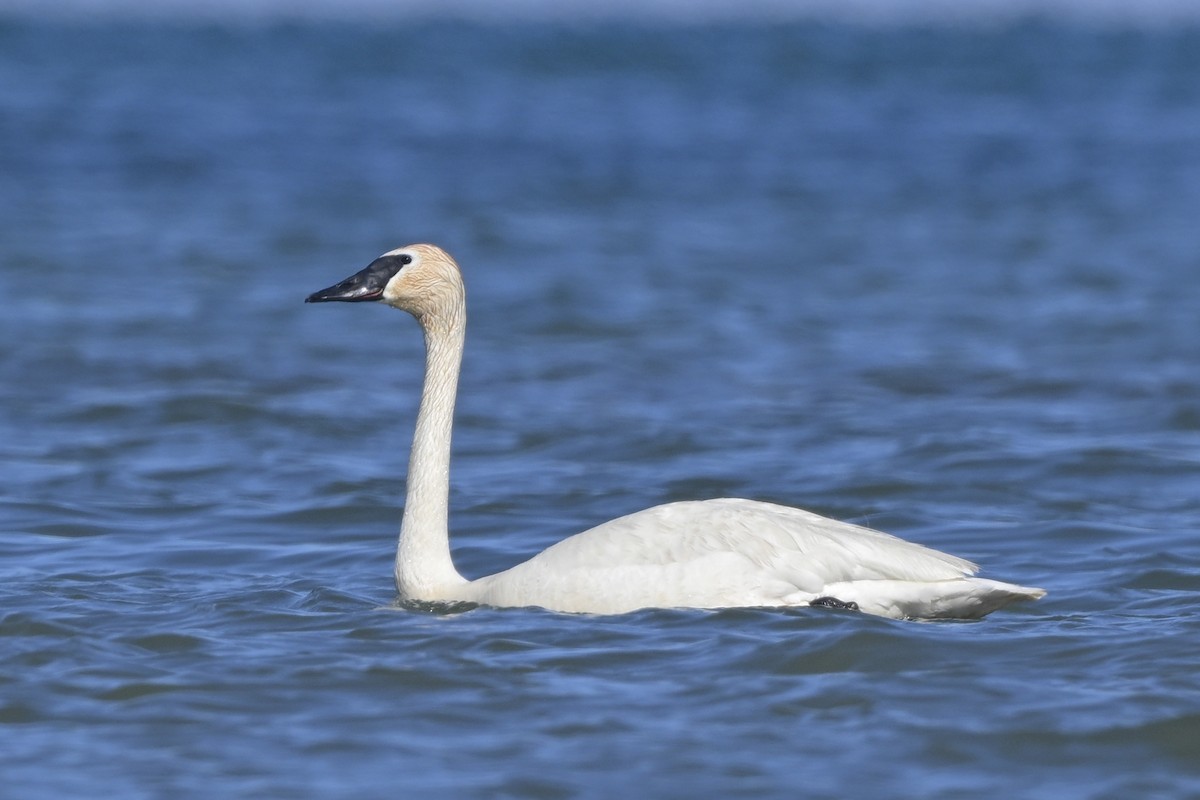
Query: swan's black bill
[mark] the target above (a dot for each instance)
(366, 284)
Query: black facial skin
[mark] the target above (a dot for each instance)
(367, 284)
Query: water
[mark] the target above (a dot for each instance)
(938, 280)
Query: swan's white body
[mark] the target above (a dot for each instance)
(704, 554)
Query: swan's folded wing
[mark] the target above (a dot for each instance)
(712, 553)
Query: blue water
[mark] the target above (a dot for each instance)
(939, 280)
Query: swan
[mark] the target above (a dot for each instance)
(709, 554)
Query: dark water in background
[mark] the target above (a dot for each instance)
(941, 281)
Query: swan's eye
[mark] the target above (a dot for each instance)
(405, 259)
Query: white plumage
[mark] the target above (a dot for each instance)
(701, 554)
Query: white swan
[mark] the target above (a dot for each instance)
(705, 554)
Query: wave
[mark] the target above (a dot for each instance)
(1106, 13)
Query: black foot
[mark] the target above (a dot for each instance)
(833, 602)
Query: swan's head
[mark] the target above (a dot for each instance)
(421, 279)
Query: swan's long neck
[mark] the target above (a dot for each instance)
(424, 570)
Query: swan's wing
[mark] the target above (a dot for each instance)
(769, 536)
(713, 553)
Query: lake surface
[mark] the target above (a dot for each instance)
(941, 281)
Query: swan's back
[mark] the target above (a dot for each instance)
(731, 553)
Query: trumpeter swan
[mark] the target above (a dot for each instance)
(701, 554)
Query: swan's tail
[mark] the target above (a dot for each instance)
(985, 596)
(960, 598)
